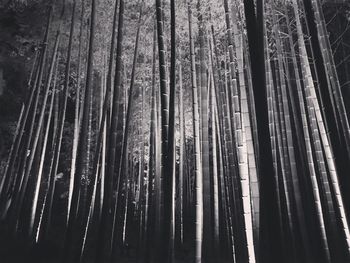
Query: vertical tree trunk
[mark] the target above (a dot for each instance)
(6, 197)
(63, 107)
(196, 131)
(42, 159)
(204, 131)
(164, 222)
(19, 198)
(76, 115)
(319, 133)
(269, 218)
(181, 154)
(83, 158)
(152, 166)
(112, 151)
(169, 178)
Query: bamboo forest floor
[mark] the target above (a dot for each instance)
(18, 251)
(15, 250)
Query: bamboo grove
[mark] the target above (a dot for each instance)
(234, 147)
